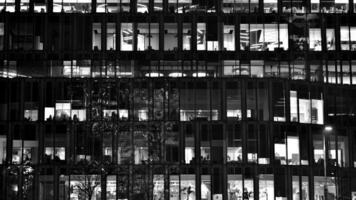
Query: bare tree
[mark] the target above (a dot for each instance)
(86, 185)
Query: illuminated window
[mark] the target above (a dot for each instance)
(8, 5)
(40, 7)
(55, 153)
(201, 36)
(205, 188)
(189, 154)
(186, 36)
(158, 186)
(73, 6)
(229, 37)
(315, 39)
(2, 148)
(31, 115)
(324, 193)
(234, 187)
(49, 113)
(234, 154)
(83, 182)
(143, 37)
(300, 187)
(310, 110)
(110, 36)
(126, 37)
(293, 6)
(345, 38)
(62, 110)
(263, 37)
(142, 6)
(111, 187)
(24, 151)
(232, 6)
(270, 6)
(315, 6)
(25, 5)
(266, 186)
(187, 186)
(330, 39)
(341, 6)
(96, 36)
(158, 5)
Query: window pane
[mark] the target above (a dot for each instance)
(126, 37)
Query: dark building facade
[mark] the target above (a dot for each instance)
(178, 99)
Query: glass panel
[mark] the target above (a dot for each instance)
(248, 192)
(158, 187)
(233, 100)
(341, 6)
(184, 6)
(126, 37)
(314, 39)
(345, 38)
(320, 191)
(142, 6)
(25, 5)
(229, 37)
(330, 39)
(143, 36)
(263, 101)
(77, 6)
(170, 37)
(96, 36)
(202, 101)
(174, 187)
(154, 33)
(353, 38)
(2, 148)
(201, 36)
(318, 148)
(266, 187)
(187, 35)
(278, 100)
(158, 5)
(189, 149)
(110, 36)
(187, 187)
(295, 188)
(271, 37)
(343, 151)
(280, 146)
(257, 38)
(270, 6)
(83, 183)
(251, 101)
(234, 147)
(111, 187)
(244, 37)
(205, 190)
(187, 106)
(2, 34)
(293, 150)
(252, 155)
(234, 187)
(305, 188)
(8, 5)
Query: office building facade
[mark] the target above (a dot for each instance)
(178, 99)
